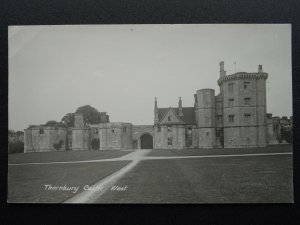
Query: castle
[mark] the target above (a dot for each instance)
(235, 118)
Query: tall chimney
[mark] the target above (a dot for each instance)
(222, 71)
(155, 112)
(180, 107)
(260, 69)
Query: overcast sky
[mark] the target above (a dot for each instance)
(119, 69)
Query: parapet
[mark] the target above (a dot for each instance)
(115, 125)
(243, 75)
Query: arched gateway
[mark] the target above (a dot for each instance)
(146, 141)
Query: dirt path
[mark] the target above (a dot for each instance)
(99, 188)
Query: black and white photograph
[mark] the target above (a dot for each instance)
(150, 113)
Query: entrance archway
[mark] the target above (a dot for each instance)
(146, 141)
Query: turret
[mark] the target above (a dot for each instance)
(244, 111)
(103, 117)
(180, 107)
(79, 122)
(195, 101)
(80, 134)
(155, 111)
(222, 71)
(206, 118)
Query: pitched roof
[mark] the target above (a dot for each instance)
(171, 111)
(188, 114)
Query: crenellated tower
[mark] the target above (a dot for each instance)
(244, 108)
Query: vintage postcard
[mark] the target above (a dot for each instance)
(183, 113)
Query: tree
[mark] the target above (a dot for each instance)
(90, 115)
(68, 119)
(15, 147)
(287, 134)
(53, 123)
(19, 133)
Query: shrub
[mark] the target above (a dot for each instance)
(58, 145)
(287, 135)
(16, 147)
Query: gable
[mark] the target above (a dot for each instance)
(187, 118)
(170, 117)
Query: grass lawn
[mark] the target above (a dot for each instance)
(253, 179)
(220, 151)
(27, 183)
(64, 156)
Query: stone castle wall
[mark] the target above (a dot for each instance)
(45, 139)
(115, 136)
(80, 139)
(174, 138)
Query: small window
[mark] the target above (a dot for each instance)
(230, 102)
(158, 129)
(169, 118)
(246, 85)
(169, 129)
(41, 131)
(207, 134)
(170, 141)
(189, 130)
(113, 130)
(124, 129)
(247, 118)
(231, 87)
(247, 101)
(95, 131)
(231, 118)
(56, 128)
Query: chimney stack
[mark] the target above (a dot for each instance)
(222, 71)
(155, 112)
(180, 107)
